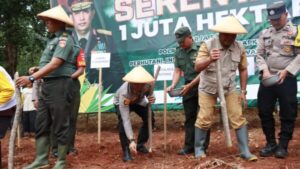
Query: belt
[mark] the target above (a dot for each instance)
(46, 79)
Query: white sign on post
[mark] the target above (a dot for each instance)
(100, 59)
(166, 71)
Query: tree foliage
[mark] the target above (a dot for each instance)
(20, 32)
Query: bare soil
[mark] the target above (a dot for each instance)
(108, 154)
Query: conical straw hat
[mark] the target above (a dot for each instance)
(229, 25)
(57, 13)
(138, 75)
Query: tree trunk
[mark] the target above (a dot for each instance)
(10, 53)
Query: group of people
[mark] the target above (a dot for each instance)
(59, 97)
(277, 54)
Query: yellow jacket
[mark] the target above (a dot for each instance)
(7, 90)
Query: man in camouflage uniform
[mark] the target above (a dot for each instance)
(57, 64)
(185, 56)
(278, 53)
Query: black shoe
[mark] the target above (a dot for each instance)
(269, 150)
(185, 151)
(142, 149)
(72, 151)
(281, 152)
(127, 156)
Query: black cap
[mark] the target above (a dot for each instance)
(182, 33)
(276, 10)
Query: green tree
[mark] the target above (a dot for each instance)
(20, 34)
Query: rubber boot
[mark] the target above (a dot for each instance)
(42, 150)
(242, 138)
(200, 138)
(61, 158)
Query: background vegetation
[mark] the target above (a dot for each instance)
(21, 34)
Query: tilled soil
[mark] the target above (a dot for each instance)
(108, 154)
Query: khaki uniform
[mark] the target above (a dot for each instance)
(231, 59)
(276, 51)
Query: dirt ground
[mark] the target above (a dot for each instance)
(108, 155)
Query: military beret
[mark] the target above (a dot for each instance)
(275, 10)
(182, 33)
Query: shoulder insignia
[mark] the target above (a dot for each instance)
(297, 39)
(62, 43)
(65, 34)
(63, 38)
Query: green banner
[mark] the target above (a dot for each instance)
(141, 32)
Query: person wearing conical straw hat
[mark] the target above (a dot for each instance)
(57, 64)
(133, 96)
(232, 57)
(278, 53)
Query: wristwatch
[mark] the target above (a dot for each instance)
(31, 79)
(244, 92)
(131, 140)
